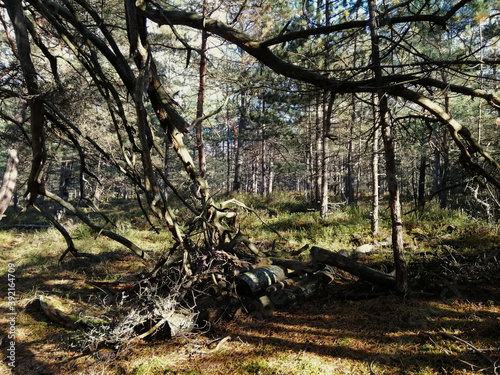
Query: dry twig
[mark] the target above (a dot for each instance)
(479, 351)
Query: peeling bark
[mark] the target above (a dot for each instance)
(35, 101)
(9, 181)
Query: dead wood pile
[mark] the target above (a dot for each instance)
(178, 300)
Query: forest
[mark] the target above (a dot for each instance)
(250, 187)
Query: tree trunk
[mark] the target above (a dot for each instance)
(228, 149)
(310, 161)
(258, 280)
(349, 185)
(64, 183)
(318, 153)
(9, 181)
(270, 180)
(35, 180)
(254, 179)
(238, 146)
(257, 306)
(421, 179)
(390, 159)
(437, 163)
(375, 185)
(200, 147)
(443, 192)
(327, 114)
(264, 162)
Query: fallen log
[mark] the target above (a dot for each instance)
(357, 269)
(284, 284)
(280, 298)
(68, 313)
(297, 265)
(259, 279)
(25, 226)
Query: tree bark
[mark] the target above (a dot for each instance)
(258, 280)
(238, 147)
(443, 192)
(35, 102)
(228, 153)
(270, 167)
(200, 146)
(323, 256)
(375, 181)
(318, 151)
(310, 160)
(64, 183)
(421, 179)
(390, 159)
(349, 177)
(279, 298)
(264, 162)
(9, 181)
(325, 151)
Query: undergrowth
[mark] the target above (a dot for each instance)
(454, 305)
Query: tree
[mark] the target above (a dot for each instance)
(201, 97)
(145, 117)
(9, 181)
(35, 103)
(390, 157)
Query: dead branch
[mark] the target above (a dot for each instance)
(69, 241)
(478, 351)
(114, 236)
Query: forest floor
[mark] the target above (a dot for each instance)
(449, 324)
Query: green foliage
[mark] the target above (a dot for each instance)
(294, 217)
(155, 366)
(82, 232)
(258, 367)
(433, 217)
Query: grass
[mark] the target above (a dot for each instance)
(302, 225)
(454, 267)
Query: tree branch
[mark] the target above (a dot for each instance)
(114, 236)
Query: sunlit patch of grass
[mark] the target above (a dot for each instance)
(36, 249)
(6, 238)
(81, 232)
(307, 227)
(260, 366)
(154, 366)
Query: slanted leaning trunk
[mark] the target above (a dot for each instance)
(35, 103)
(9, 181)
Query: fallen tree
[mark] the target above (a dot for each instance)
(323, 256)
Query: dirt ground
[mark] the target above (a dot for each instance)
(456, 331)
